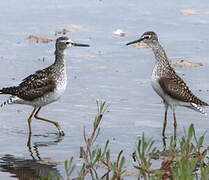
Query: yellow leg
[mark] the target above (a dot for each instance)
(61, 132)
(165, 120)
(174, 122)
(30, 120)
(29, 141)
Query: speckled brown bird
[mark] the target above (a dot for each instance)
(166, 83)
(43, 87)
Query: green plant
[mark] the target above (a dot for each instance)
(184, 159)
(93, 156)
(118, 167)
(190, 158)
(69, 167)
(143, 155)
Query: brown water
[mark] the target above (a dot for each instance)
(107, 70)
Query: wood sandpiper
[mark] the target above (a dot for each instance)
(166, 83)
(44, 86)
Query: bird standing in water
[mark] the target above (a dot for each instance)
(166, 83)
(44, 86)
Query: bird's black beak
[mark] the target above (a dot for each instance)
(136, 41)
(81, 45)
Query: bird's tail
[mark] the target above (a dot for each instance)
(9, 91)
(197, 108)
(11, 100)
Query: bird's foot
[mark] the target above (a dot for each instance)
(164, 137)
(61, 132)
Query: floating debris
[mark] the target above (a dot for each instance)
(39, 39)
(63, 31)
(159, 102)
(81, 106)
(124, 100)
(187, 64)
(43, 59)
(50, 161)
(72, 28)
(97, 66)
(130, 174)
(91, 54)
(191, 12)
(119, 33)
(19, 111)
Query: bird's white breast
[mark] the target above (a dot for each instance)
(61, 85)
(155, 83)
(156, 86)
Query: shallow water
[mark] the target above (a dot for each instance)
(107, 70)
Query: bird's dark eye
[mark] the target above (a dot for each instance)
(67, 42)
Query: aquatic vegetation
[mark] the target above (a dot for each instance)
(39, 39)
(185, 158)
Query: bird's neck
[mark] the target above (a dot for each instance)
(159, 53)
(59, 56)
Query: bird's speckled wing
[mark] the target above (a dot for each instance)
(32, 87)
(175, 87)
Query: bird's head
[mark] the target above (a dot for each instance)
(148, 38)
(64, 42)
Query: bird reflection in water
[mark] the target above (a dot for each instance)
(32, 169)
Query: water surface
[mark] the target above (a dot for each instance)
(107, 70)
